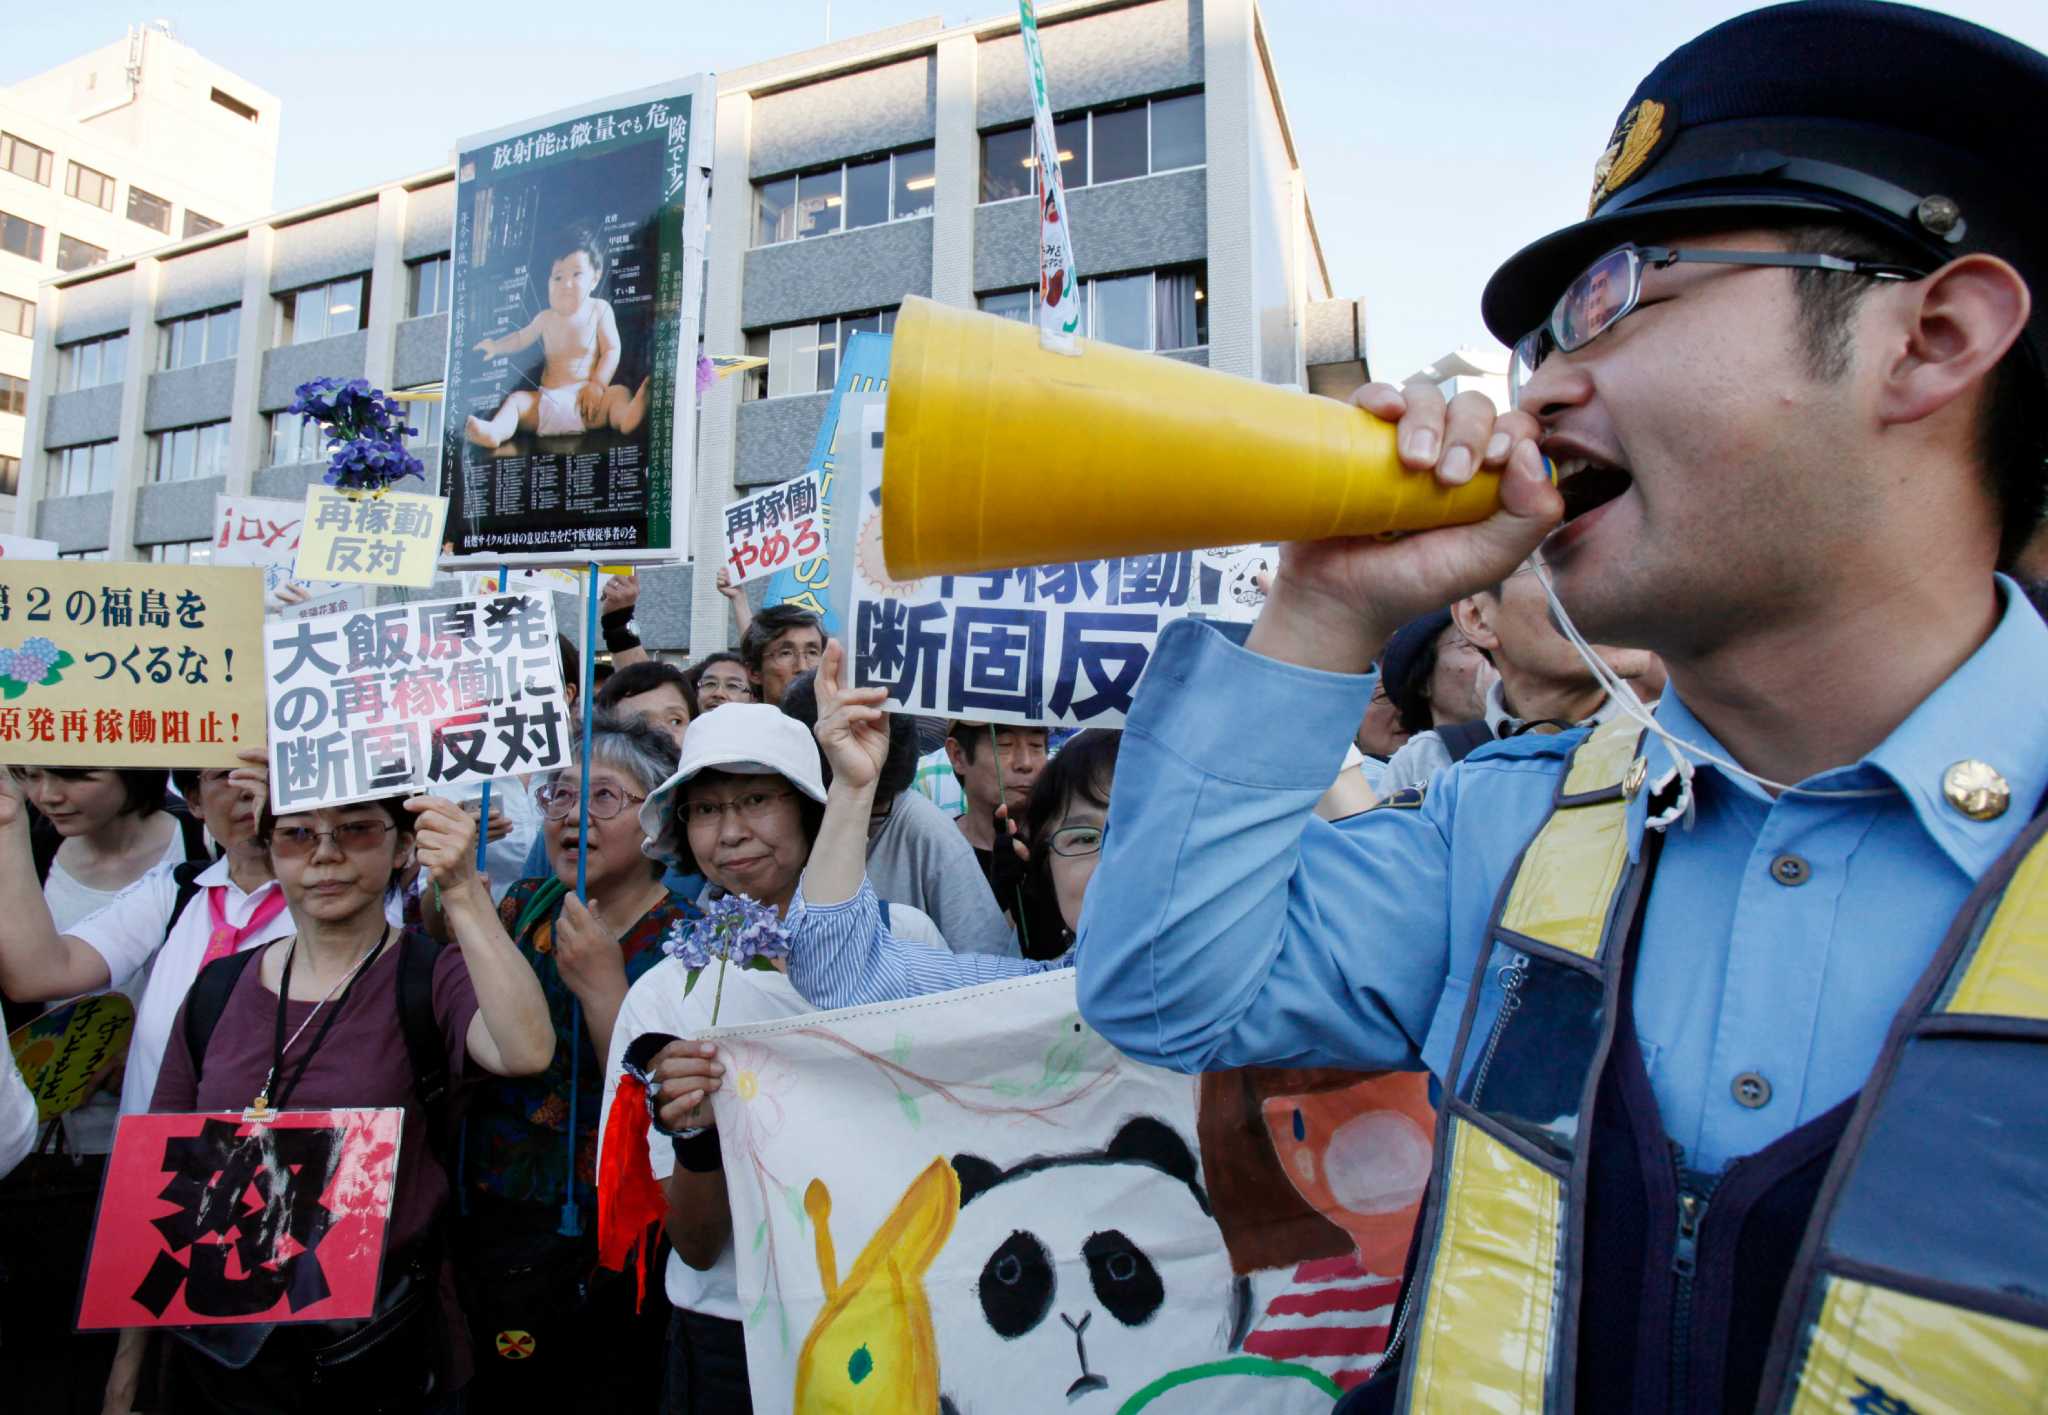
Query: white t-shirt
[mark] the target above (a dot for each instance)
(656, 1004)
(17, 1119)
(129, 933)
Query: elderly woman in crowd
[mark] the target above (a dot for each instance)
(331, 1017)
(743, 808)
(528, 1237)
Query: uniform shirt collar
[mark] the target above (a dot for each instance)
(1989, 709)
(1505, 724)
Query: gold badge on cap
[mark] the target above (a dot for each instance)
(1635, 137)
(1973, 788)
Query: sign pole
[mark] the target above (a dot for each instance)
(572, 1217)
(483, 812)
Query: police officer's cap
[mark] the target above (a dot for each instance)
(1880, 117)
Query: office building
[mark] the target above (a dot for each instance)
(844, 178)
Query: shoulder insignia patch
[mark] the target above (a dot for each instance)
(1408, 798)
(1636, 136)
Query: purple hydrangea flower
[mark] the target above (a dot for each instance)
(366, 433)
(735, 930)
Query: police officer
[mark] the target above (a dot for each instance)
(1738, 1016)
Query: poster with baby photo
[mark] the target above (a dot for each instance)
(572, 331)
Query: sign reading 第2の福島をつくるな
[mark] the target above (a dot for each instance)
(413, 697)
(104, 664)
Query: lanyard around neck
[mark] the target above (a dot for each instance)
(286, 1085)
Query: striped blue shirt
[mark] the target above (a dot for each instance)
(843, 955)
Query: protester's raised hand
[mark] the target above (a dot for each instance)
(587, 951)
(727, 588)
(620, 592)
(252, 778)
(687, 1073)
(853, 730)
(1335, 602)
(444, 840)
(13, 801)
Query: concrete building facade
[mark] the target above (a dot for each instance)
(135, 144)
(844, 179)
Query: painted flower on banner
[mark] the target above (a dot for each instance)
(37, 663)
(366, 432)
(759, 1080)
(736, 930)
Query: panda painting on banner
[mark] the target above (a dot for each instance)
(970, 1203)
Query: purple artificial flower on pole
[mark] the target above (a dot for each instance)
(366, 432)
(736, 930)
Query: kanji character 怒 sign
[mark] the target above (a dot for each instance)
(1051, 645)
(208, 1220)
(774, 528)
(413, 697)
(393, 539)
(60, 1052)
(105, 664)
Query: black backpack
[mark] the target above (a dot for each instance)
(424, 1047)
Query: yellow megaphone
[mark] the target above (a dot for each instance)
(1002, 453)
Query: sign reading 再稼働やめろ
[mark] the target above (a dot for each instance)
(774, 528)
(393, 538)
(104, 664)
(413, 697)
(216, 1220)
(570, 432)
(1051, 645)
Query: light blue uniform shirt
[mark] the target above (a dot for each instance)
(1227, 926)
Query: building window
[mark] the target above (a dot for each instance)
(10, 475)
(199, 338)
(234, 105)
(197, 225)
(426, 286)
(181, 552)
(89, 185)
(25, 159)
(180, 454)
(425, 414)
(321, 311)
(17, 316)
(81, 470)
(1155, 311)
(74, 254)
(295, 440)
(91, 362)
(21, 237)
(147, 209)
(804, 358)
(81, 555)
(1103, 145)
(845, 197)
(13, 394)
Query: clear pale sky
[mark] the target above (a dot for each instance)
(1436, 138)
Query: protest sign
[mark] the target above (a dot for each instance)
(809, 584)
(922, 1190)
(1051, 645)
(105, 664)
(774, 528)
(61, 1051)
(27, 548)
(1059, 292)
(413, 697)
(571, 396)
(388, 539)
(477, 583)
(209, 1220)
(264, 531)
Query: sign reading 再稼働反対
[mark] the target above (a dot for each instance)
(413, 697)
(392, 539)
(774, 528)
(1050, 645)
(105, 664)
(214, 1220)
(572, 332)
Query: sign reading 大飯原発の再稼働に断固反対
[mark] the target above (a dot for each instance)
(570, 428)
(413, 697)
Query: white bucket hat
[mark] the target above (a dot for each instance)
(747, 739)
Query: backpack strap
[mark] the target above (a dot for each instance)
(186, 876)
(191, 833)
(425, 1048)
(1462, 739)
(209, 998)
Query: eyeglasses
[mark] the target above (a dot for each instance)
(753, 806)
(1606, 292)
(557, 801)
(296, 842)
(1074, 841)
(787, 654)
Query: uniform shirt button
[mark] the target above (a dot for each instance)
(1751, 1090)
(1790, 870)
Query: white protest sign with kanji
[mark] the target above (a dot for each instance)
(392, 539)
(773, 529)
(413, 697)
(27, 548)
(264, 531)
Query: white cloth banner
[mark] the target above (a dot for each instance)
(973, 1197)
(1059, 291)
